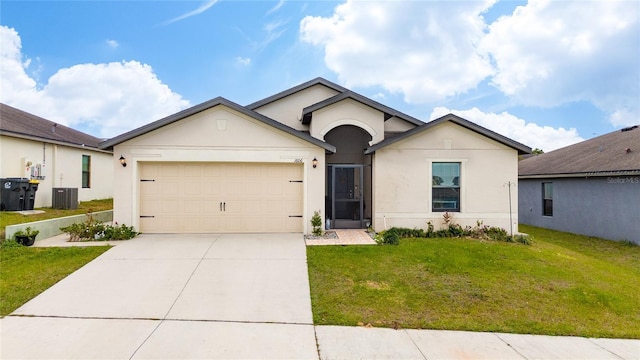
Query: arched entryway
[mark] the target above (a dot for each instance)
(348, 185)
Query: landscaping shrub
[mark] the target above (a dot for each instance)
(92, 229)
(452, 230)
(122, 232)
(393, 235)
(522, 239)
(316, 222)
(389, 237)
(9, 243)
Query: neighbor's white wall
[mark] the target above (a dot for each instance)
(219, 134)
(288, 110)
(63, 167)
(348, 112)
(402, 176)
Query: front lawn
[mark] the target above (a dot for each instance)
(562, 284)
(26, 271)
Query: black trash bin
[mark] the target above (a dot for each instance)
(30, 195)
(13, 193)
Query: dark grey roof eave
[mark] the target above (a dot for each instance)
(207, 105)
(361, 99)
(295, 89)
(581, 174)
(52, 141)
(521, 148)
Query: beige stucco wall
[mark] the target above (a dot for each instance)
(395, 124)
(348, 112)
(63, 167)
(288, 110)
(218, 134)
(402, 179)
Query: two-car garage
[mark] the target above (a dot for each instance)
(217, 167)
(216, 197)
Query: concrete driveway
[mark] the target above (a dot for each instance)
(175, 296)
(234, 297)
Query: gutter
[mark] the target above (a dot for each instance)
(582, 174)
(54, 142)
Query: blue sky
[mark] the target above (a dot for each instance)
(545, 73)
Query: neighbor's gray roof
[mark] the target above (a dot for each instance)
(207, 105)
(522, 149)
(295, 89)
(615, 153)
(17, 123)
(389, 112)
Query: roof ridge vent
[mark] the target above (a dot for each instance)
(629, 128)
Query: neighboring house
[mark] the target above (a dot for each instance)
(267, 166)
(58, 156)
(590, 188)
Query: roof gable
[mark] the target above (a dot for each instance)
(617, 152)
(18, 123)
(307, 112)
(522, 149)
(207, 105)
(295, 89)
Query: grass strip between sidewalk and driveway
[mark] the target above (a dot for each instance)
(27, 271)
(562, 284)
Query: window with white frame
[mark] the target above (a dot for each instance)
(445, 186)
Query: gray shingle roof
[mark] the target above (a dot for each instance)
(18, 123)
(615, 153)
(522, 149)
(207, 105)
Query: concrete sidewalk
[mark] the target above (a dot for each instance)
(340, 342)
(89, 338)
(233, 297)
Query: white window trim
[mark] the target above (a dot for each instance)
(463, 182)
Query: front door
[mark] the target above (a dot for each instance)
(346, 196)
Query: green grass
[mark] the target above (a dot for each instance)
(562, 284)
(26, 272)
(13, 218)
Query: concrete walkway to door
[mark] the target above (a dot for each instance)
(174, 296)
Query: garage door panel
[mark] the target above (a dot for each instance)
(188, 197)
(191, 189)
(169, 170)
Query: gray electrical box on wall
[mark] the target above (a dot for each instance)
(65, 198)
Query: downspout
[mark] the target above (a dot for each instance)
(55, 167)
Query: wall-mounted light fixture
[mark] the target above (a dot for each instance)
(123, 161)
(314, 162)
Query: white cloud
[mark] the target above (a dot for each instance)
(425, 50)
(545, 54)
(114, 97)
(16, 86)
(204, 7)
(535, 136)
(276, 8)
(243, 61)
(378, 96)
(273, 31)
(112, 43)
(549, 53)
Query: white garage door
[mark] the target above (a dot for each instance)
(220, 197)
